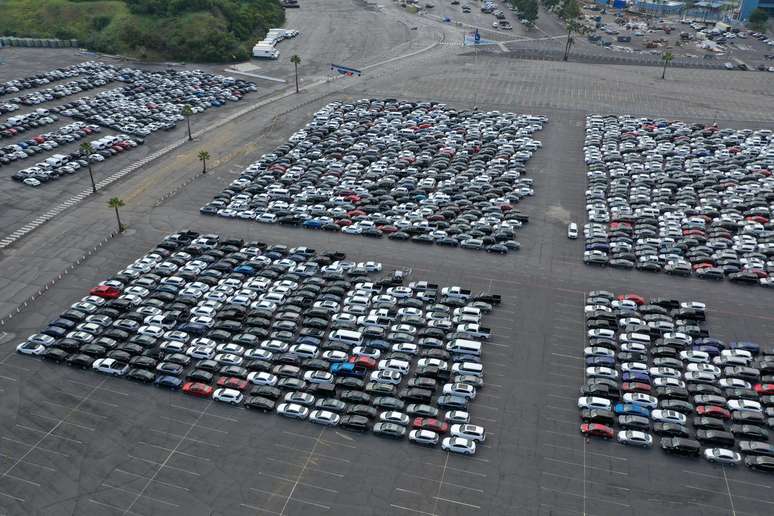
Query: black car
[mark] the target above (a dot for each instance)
(56, 355)
(670, 430)
(760, 463)
(80, 360)
(354, 423)
(363, 410)
(391, 430)
(140, 375)
(331, 405)
(266, 391)
(605, 417)
(629, 422)
(751, 432)
(681, 446)
(715, 437)
(756, 448)
(259, 403)
(708, 423)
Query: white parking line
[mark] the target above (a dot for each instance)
(446, 483)
(456, 469)
(97, 502)
(10, 379)
(30, 463)
(299, 483)
(563, 355)
(765, 486)
(255, 508)
(589, 467)
(562, 397)
(194, 473)
(117, 488)
(606, 484)
(168, 484)
(566, 434)
(457, 502)
(12, 497)
(31, 429)
(98, 387)
(225, 418)
(589, 452)
(38, 448)
(412, 510)
(552, 407)
(177, 452)
(317, 454)
(488, 420)
(178, 436)
(581, 496)
(339, 475)
(90, 429)
(203, 427)
(73, 409)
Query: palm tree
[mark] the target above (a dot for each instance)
(87, 150)
(203, 157)
(667, 58)
(116, 203)
(187, 113)
(572, 27)
(296, 61)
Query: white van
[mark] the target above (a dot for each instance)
(469, 368)
(641, 338)
(572, 230)
(348, 337)
(464, 347)
(265, 52)
(57, 160)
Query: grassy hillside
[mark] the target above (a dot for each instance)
(181, 30)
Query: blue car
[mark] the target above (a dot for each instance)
(600, 361)
(197, 329)
(712, 351)
(598, 247)
(631, 409)
(308, 339)
(168, 381)
(347, 369)
(752, 347)
(636, 376)
(709, 341)
(246, 270)
(312, 224)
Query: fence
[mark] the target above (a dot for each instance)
(12, 41)
(612, 58)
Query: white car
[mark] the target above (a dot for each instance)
(399, 418)
(457, 416)
(722, 456)
(591, 402)
(460, 389)
(394, 364)
(30, 348)
(201, 352)
(734, 383)
(459, 445)
(668, 416)
(228, 359)
(110, 366)
(424, 437)
(744, 405)
(319, 377)
(324, 417)
(635, 438)
(601, 372)
(262, 378)
(386, 376)
(640, 399)
(472, 432)
(706, 368)
(292, 410)
(572, 230)
(698, 357)
(232, 396)
(603, 333)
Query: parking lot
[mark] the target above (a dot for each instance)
(147, 451)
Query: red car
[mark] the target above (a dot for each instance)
(364, 362)
(712, 411)
(632, 297)
(105, 292)
(230, 382)
(198, 389)
(426, 423)
(597, 430)
(764, 388)
(636, 387)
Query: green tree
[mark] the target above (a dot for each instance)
(573, 27)
(758, 19)
(187, 112)
(203, 157)
(87, 150)
(116, 203)
(570, 10)
(296, 61)
(667, 58)
(529, 10)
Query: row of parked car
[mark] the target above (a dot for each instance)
(8, 107)
(46, 142)
(305, 335)
(42, 79)
(18, 124)
(686, 199)
(653, 369)
(59, 165)
(418, 171)
(153, 100)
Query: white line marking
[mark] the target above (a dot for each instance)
(412, 510)
(457, 502)
(301, 483)
(589, 467)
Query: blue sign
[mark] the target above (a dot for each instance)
(345, 70)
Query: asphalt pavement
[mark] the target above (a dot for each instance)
(74, 442)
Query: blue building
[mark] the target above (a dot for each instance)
(748, 6)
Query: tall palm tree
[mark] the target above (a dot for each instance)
(667, 58)
(87, 150)
(572, 27)
(296, 61)
(116, 203)
(187, 113)
(203, 157)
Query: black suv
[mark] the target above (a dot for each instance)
(680, 446)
